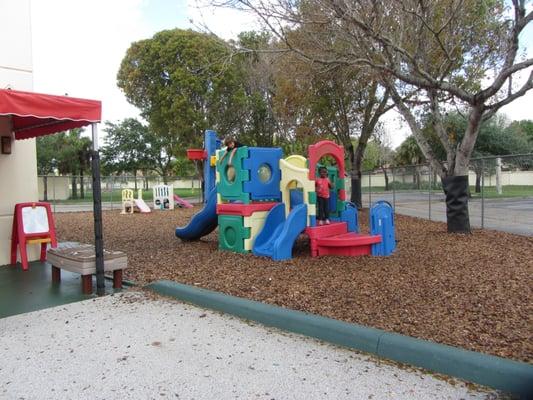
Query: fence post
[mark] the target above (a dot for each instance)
(430, 181)
(482, 193)
(112, 188)
(54, 193)
(499, 175)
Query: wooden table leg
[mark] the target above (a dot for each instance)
(87, 284)
(56, 274)
(117, 279)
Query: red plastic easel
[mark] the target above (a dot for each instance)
(26, 231)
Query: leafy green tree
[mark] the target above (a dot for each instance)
(47, 157)
(258, 125)
(496, 138)
(183, 82)
(525, 128)
(74, 158)
(182, 167)
(70, 153)
(131, 147)
(409, 154)
(84, 147)
(160, 157)
(125, 147)
(462, 51)
(341, 103)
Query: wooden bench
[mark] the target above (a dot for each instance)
(80, 258)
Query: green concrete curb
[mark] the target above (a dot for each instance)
(495, 372)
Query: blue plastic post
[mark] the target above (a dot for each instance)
(211, 144)
(382, 223)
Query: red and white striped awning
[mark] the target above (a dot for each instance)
(36, 114)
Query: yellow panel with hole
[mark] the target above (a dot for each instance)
(213, 161)
(297, 161)
(255, 222)
(290, 173)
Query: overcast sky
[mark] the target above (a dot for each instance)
(78, 46)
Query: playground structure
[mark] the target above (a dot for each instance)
(262, 202)
(163, 197)
(129, 203)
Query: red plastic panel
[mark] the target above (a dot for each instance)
(342, 194)
(196, 154)
(325, 148)
(321, 231)
(349, 239)
(244, 210)
(345, 251)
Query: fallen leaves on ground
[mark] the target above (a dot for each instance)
(471, 291)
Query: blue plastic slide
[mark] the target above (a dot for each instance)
(203, 222)
(278, 235)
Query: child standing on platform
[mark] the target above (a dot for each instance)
(322, 186)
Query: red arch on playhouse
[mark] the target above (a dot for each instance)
(327, 148)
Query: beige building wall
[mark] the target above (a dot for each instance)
(18, 170)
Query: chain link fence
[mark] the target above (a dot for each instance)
(501, 192)
(74, 193)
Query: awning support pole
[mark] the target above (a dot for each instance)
(97, 213)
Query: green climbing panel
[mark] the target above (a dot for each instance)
(341, 206)
(231, 233)
(232, 177)
(336, 205)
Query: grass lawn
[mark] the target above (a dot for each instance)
(489, 192)
(116, 196)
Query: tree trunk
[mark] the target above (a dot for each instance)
(45, 188)
(456, 191)
(416, 178)
(456, 186)
(135, 180)
(74, 187)
(356, 195)
(478, 181)
(386, 175)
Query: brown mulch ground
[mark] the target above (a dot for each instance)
(472, 291)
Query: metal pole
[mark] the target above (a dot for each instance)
(112, 189)
(54, 186)
(393, 189)
(482, 193)
(369, 190)
(97, 214)
(429, 207)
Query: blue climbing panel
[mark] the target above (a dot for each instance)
(265, 174)
(349, 215)
(211, 144)
(382, 223)
(297, 197)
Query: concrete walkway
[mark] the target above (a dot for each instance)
(129, 346)
(513, 215)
